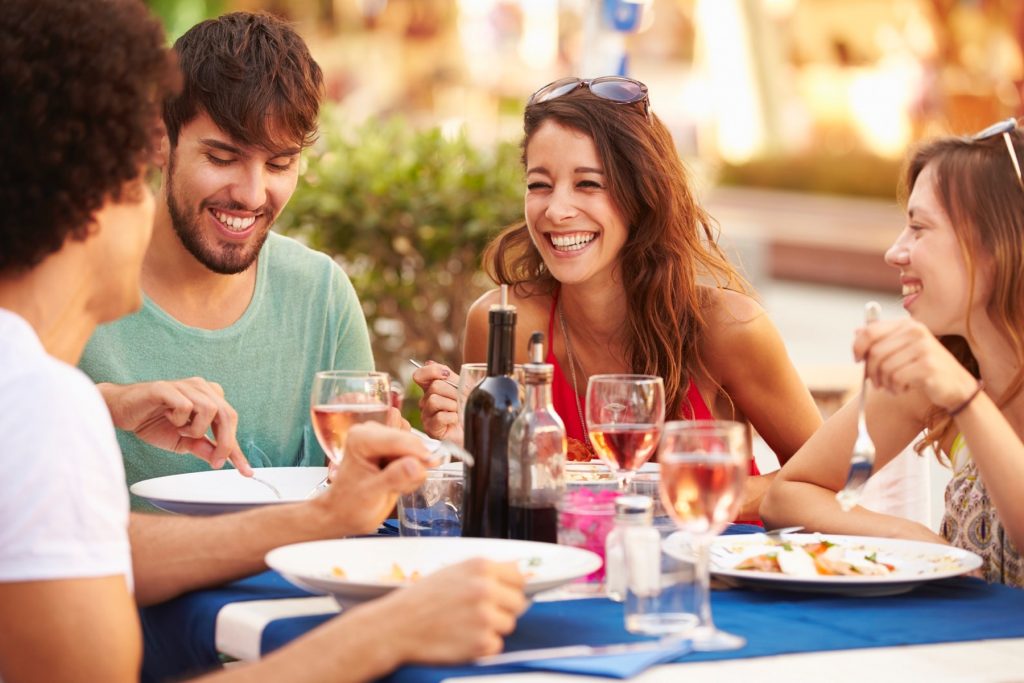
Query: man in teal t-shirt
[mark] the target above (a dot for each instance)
(236, 319)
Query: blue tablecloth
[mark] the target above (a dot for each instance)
(180, 634)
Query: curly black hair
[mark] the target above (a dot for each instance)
(83, 82)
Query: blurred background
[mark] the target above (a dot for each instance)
(793, 116)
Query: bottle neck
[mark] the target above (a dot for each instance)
(501, 343)
(538, 397)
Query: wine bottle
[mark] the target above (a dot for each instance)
(536, 453)
(490, 410)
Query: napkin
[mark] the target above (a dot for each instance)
(625, 665)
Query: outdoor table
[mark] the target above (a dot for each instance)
(951, 629)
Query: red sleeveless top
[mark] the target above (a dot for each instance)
(563, 397)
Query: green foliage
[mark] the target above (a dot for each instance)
(850, 173)
(179, 16)
(407, 213)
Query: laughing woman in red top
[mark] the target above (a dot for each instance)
(618, 262)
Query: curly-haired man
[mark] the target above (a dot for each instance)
(82, 81)
(247, 314)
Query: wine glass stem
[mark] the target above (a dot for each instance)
(702, 546)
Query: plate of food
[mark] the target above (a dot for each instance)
(597, 472)
(354, 570)
(218, 491)
(827, 563)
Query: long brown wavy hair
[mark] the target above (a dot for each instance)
(672, 243)
(979, 191)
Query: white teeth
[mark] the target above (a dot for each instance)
(911, 289)
(234, 222)
(572, 242)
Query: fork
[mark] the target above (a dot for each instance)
(863, 457)
(268, 485)
(444, 448)
(420, 365)
(776, 534)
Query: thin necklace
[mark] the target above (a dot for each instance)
(572, 373)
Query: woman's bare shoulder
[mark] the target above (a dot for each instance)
(730, 313)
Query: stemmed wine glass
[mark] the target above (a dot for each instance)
(342, 398)
(703, 468)
(625, 414)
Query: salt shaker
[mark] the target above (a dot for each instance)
(633, 529)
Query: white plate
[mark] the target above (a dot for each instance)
(915, 563)
(219, 491)
(368, 563)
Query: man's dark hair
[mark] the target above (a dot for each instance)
(82, 85)
(254, 76)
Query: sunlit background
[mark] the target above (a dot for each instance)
(793, 115)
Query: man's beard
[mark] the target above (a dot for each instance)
(227, 259)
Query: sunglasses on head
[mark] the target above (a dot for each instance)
(617, 89)
(1003, 128)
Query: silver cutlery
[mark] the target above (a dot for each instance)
(776, 534)
(270, 486)
(863, 458)
(444, 448)
(682, 646)
(420, 365)
(453, 450)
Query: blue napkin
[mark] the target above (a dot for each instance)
(609, 666)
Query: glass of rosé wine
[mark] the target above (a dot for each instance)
(703, 468)
(625, 414)
(342, 398)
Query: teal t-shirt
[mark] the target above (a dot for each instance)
(304, 316)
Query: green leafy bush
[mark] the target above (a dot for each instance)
(407, 213)
(853, 173)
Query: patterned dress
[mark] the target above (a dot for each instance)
(971, 522)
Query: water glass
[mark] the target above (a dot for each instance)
(662, 590)
(435, 508)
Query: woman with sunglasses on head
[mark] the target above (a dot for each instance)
(617, 262)
(954, 369)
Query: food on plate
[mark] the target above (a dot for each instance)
(400, 575)
(598, 472)
(820, 558)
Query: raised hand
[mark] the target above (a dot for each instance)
(903, 355)
(439, 405)
(379, 464)
(176, 415)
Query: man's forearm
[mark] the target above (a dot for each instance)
(349, 649)
(175, 554)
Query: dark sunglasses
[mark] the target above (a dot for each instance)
(1003, 128)
(617, 89)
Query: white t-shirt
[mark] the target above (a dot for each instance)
(63, 499)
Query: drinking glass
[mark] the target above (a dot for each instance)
(471, 374)
(342, 398)
(435, 508)
(703, 468)
(625, 414)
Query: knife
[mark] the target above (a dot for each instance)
(566, 651)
